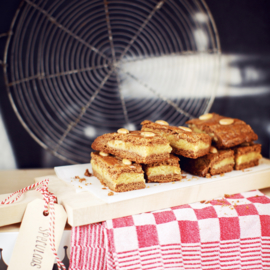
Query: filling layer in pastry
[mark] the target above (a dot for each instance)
(247, 157)
(163, 170)
(224, 162)
(141, 150)
(123, 178)
(185, 145)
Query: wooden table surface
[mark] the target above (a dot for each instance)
(13, 180)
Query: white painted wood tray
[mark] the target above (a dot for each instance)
(85, 208)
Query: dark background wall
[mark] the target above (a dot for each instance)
(243, 27)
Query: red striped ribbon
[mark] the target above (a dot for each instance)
(50, 200)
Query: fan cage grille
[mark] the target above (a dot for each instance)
(77, 69)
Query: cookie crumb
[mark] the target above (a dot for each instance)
(110, 193)
(208, 175)
(184, 176)
(87, 173)
(104, 188)
(77, 177)
(82, 179)
(202, 201)
(222, 174)
(227, 196)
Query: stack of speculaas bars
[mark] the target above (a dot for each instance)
(233, 145)
(126, 158)
(212, 145)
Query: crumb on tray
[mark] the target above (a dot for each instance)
(87, 173)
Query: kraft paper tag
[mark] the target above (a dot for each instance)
(32, 248)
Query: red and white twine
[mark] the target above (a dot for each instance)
(50, 200)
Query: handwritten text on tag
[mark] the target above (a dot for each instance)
(32, 249)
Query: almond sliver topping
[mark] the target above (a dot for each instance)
(162, 122)
(126, 162)
(148, 134)
(122, 131)
(213, 150)
(206, 116)
(185, 128)
(226, 121)
(103, 154)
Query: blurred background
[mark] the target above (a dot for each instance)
(242, 91)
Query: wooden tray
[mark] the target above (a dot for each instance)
(13, 213)
(84, 208)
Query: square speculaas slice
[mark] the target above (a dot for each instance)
(117, 174)
(247, 155)
(183, 140)
(164, 171)
(226, 132)
(211, 164)
(137, 146)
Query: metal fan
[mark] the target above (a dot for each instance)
(77, 69)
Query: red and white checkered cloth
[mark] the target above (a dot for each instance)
(229, 233)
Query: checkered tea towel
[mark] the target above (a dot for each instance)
(227, 233)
